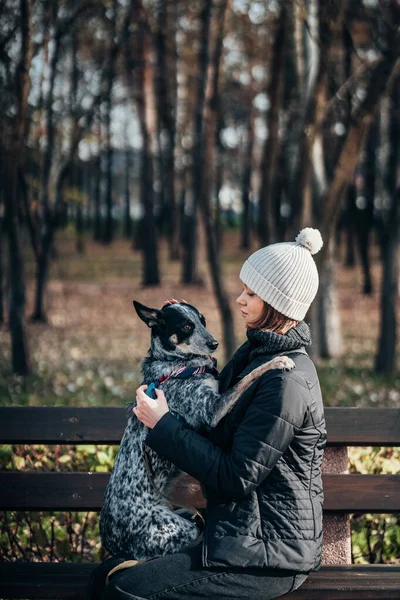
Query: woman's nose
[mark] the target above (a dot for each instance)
(240, 299)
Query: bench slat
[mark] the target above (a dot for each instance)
(61, 425)
(105, 425)
(84, 491)
(69, 581)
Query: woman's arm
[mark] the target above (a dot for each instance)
(268, 427)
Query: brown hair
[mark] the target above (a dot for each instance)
(274, 321)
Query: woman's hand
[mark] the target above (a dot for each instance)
(174, 301)
(150, 411)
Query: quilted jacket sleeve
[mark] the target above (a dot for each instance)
(277, 409)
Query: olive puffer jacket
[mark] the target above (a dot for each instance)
(260, 468)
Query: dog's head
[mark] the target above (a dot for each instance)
(179, 329)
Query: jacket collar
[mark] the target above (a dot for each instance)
(269, 343)
(261, 346)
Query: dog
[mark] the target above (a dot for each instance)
(136, 518)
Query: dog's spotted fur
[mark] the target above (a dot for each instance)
(135, 518)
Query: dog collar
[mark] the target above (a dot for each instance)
(182, 373)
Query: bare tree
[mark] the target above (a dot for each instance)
(63, 26)
(165, 42)
(114, 47)
(269, 159)
(189, 274)
(321, 15)
(98, 180)
(246, 181)
(139, 79)
(385, 360)
(127, 193)
(363, 218)
(15, 141)
(2, 231)
(207, 152)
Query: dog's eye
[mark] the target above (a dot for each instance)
(187, 327)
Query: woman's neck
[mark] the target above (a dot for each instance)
(269, 342)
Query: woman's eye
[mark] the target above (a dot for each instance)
(202, 320)
(248, 293)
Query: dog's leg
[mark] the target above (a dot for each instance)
(165, 532)
(228, 400)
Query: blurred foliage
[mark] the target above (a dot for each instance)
(375, 538)
(53, 536)
(50, 537)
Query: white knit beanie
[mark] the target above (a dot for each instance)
(285, 275)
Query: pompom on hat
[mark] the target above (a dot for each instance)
(285, 275)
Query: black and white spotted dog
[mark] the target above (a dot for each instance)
(135, 518)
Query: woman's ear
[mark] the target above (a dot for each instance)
(151, 316)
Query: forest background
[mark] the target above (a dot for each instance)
(146, 148)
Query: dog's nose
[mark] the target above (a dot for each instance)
(213, 345)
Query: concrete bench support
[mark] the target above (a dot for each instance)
(336, 527)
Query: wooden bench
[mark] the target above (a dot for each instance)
(344, 494)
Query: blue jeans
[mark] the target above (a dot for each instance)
(181, 576)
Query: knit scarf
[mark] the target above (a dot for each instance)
(267, 342)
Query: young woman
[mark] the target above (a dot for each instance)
(260, 468)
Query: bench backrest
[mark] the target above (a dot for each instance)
(344, 493)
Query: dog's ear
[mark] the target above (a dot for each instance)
(151, 316)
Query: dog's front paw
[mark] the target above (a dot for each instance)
(282, 362)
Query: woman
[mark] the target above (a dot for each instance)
(260, 468)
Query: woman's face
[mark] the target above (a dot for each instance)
(251, 305)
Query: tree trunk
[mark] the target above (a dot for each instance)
(298, 39)
(97, 197)
(189, 274)
(385, 361)
(127, 211)
(2, 231)
(329, 325)
(324, 315)
(320, 21)
(364, 219)
(246, 183)
(269, 161)
(138, 72)
(219, 174)
(166, 125)
(23, 192)
(88, 220)
(42, 270)
(208, 143)
(149, 238)
(80, 246)
(350, 226)
(108, 233)
(16, 281)
(46, 224)
(79, 223)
